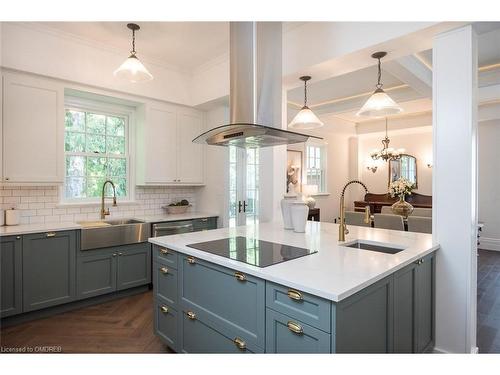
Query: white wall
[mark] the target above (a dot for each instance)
(416, 142)
(489, 183)
(213, 197)
(30, 48)
(336, 134)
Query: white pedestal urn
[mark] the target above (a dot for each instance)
(286, 213)
(299, 211)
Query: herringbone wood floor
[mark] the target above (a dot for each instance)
(120, 326)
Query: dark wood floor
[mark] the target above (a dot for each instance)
(120, 326)
(488, 302)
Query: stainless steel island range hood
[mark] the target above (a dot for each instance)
(255, 90)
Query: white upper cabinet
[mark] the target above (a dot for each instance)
(33, 130)
(190, 163)
(165, 152)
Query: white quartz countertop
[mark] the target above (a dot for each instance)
(16, 230)
(174, 217)
(334, 272)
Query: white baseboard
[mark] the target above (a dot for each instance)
(473, 350)
(487, 243)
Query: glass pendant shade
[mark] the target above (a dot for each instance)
(133, 70)
(379, 105)
(305, 119)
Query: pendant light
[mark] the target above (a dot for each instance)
(132, 69)
(387, 153)
(379, 104)
(305, 119)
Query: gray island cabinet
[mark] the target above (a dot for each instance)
(201, 307)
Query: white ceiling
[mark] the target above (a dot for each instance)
(184, 45)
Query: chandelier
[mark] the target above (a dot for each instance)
(387, 153)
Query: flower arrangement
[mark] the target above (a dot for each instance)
(400, 188)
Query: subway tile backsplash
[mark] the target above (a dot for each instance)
(41, 204)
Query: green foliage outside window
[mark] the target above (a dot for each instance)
(95, 146)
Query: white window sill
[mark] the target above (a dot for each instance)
(321, 194)
(95, 204)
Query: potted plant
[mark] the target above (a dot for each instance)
(177, 207)
(401, 188)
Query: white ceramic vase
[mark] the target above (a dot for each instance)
(299, 211)
(286, 203)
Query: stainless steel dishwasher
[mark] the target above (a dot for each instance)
(175, 227)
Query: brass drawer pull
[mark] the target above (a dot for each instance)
(240, 277)
(205, 220)
(164, 251)
(51, 234)
(164, 270)
(190, 260)
(294, 294)
(295, 328)
(164, 309)
(240, 344)
(191, 315)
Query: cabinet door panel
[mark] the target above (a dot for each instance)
(33, 130)
(96, 274)
(10, 276)
(49, 269)
(191, 160)
(166, 324)
(364, 322)
(281, 339)
(404, 309)
(425, 303)
(161, 145)
(165, 283)
(134, 265)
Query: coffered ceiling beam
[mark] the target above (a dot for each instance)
(412, 71)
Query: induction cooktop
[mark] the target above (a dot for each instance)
(251, 251)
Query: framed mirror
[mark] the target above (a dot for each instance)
(405, 167)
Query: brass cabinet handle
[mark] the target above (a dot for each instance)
(114, 254)
(240, 344)
(164, 270)
(295, 328)
(164, 251)
(120, 254)
(18, 237)
(164, 309)
(51, 234)
(419, 262)
(190, 260)
(205, 220)
(240, 277)
(191, 315)
(294, 294)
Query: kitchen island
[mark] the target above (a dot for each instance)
(338, 299)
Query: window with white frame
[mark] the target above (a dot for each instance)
(96, 145)
(316, 166)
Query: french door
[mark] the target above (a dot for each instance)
(243, 186)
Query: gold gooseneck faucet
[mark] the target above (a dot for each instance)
(104, 211)
(342, 226)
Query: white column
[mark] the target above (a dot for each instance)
(455, 188)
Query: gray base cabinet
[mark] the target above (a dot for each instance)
(201, 307)
(11, 281)
(49, 269)
(111, 269)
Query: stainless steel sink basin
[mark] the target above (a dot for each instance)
(106, 233)
(374, 246)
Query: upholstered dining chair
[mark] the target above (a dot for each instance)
(385, 221)
(386, 210)
(355, 218)
(419, 224)
(422, 212)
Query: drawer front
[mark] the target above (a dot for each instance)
(205, 224)
(287, 335)
(165, 284)
(165, 256)
(166, 324)
(219, 296)
(305, 307)
(200, 336)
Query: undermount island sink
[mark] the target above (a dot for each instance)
(374, 246)
(105, 233)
